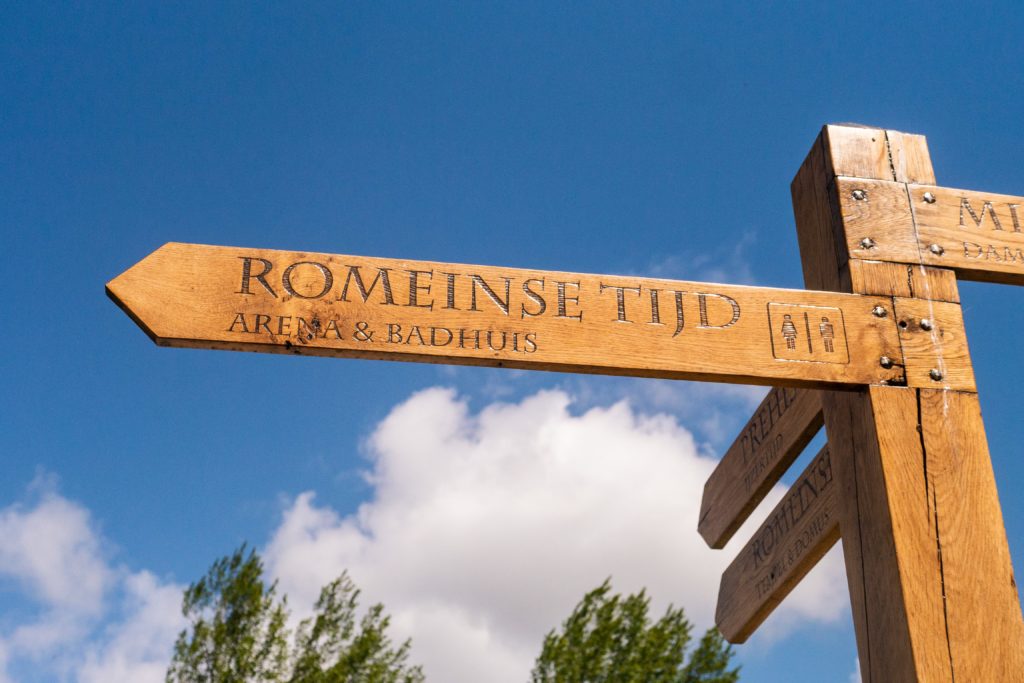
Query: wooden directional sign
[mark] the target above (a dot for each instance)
(980, 236)
(929, 571)
(801, 528)
(330, 305)
(782, 426)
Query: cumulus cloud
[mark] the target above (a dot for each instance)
(88, 619)
(486, 528)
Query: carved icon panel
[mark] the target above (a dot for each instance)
(808, 333)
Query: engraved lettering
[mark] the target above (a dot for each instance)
(414, 331)
(261, 277)
(415, 288)
(262, 320)
(680, 318)
(308, 329)
(433, 336)
(1013, 215)
(965, 204)
(286, 279)
(531, 342)
(239, 320)
(655, 310)
(462, 339)
(536, 297)
(394, 333)
(490, 341)
(382, 276)
(620, 300)
(332, 324)
(476, 281)
(284, 324)
(363, 332)
(564, 299)
(702, 304)
(450, 289)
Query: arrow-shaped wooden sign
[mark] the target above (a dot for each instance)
(330, 305)
(772, 439)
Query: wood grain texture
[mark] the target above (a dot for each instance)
(979, 235)
(878, 224)
(858, 151)
(886, 622)
(797, 533)
(780, 428)
(331, 305)
(896, 462)
(882, 278)
(812, 206)
(933, 338)
(909, 157)
(889, 543)
(983, 620)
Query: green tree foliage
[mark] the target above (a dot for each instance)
(238, 634)
(610, 639)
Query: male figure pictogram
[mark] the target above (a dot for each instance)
(828, 334)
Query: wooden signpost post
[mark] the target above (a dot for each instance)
(875, 351)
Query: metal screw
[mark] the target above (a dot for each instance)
(929, 197)
(935, 374)
(926, 324)
(885, 362)
(860, 195)
(937, 249)
(867, 243)
(880, 311)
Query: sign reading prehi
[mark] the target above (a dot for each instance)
(333, 305)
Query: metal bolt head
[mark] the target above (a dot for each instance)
(860, 195)
(929, 197)
(935, 374)
(867, 243)
(885, 362)
(937, 249)
(926, 324)
(879, 311)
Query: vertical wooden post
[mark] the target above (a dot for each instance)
(928, 566)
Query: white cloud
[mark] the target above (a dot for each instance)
(92, 620)
(485, 529)
(52, 551)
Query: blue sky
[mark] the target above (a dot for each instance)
(611, 138)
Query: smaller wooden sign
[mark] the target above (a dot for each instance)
(980, 235)
(781, 427)
(797, 533)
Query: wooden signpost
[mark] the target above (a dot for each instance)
(877, 353)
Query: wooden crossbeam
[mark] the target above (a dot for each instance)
(201, 296)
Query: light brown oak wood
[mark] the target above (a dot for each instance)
(797, 533)
(977, 572)
(898, 462)
(781, 427)
(979, 235)
(202, 296)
